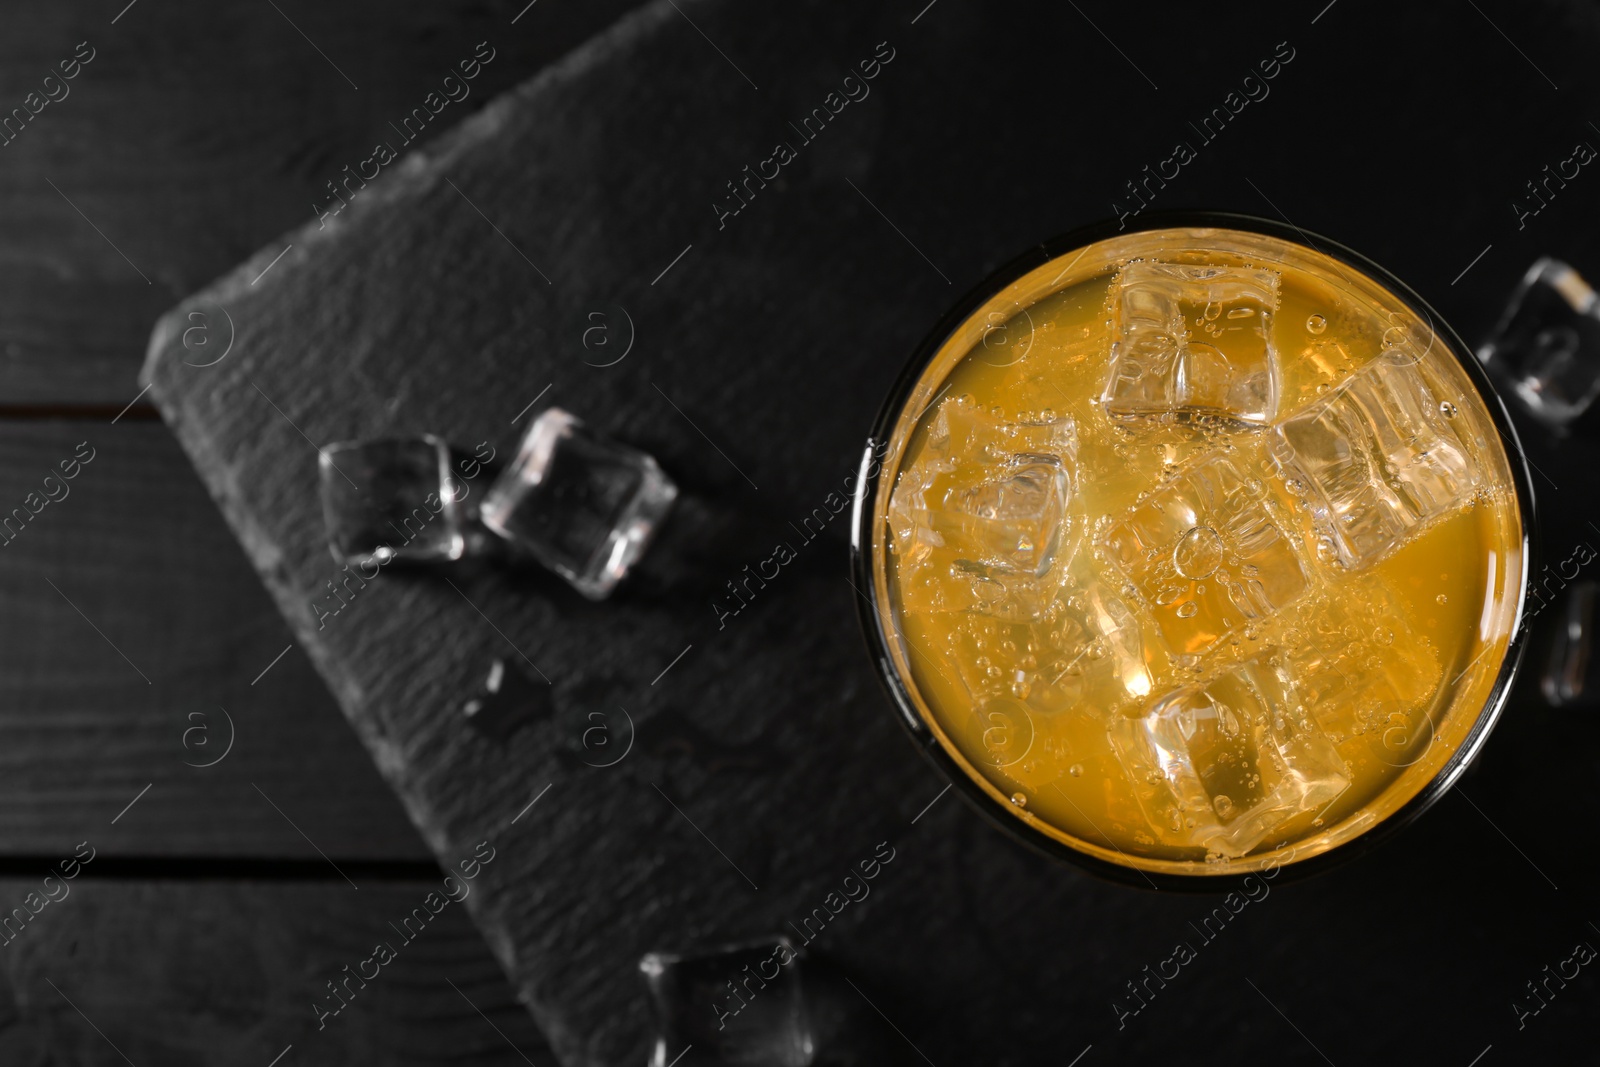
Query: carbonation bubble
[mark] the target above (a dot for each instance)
(1316, 324)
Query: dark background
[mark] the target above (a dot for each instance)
(196, 136)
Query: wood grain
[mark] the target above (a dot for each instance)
(186, 973)
(135, 546)
(195, 135)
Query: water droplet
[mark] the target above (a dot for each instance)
(1316, 324)
(1019, 800)
(1447, 409)
(1188, 609)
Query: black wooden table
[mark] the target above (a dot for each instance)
(773, 332)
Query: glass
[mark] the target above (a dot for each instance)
(1195, 550)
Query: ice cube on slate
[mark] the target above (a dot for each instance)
(1193, 340)
(1224, 763)
(1375, 460)
(738, 1005)
(391, 499)
(1207, 554)
(982, 518)
(582, 505)
(1548, 342)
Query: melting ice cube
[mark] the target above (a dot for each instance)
(1375, 460)
(982, 519)
(1207, 555)
(1224, 763)
(1013, 520)
(581, 504)
(391, 499)
(1043, 667)
(738, 1005)
(1193, 340)
(1361, 669)
(1548, 342)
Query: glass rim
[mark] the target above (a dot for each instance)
(878, 640)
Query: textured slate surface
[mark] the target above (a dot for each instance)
(455, 289)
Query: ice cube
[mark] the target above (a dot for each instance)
(391, 499)
(1548, 342)
(1013, 521)
(1207, 554)
(1375, 460)
(1359, 666)
(737, 1005)
(983, 518)
(583, 505)
(1193, 340)
(1122, 638)
(1019, 669)
(1225, 763)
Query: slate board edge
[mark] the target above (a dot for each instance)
(420, 168)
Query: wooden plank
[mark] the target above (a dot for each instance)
(174, 642)
(163, 972)
(186, 154)
(767, 762)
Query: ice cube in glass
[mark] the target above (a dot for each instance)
(1193, 340)
(1224, 763)
(1007, 503)
(1208, 554)
(1375, 460)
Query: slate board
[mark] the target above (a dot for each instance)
(455, 289)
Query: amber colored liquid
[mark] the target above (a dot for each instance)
(1377, 669)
